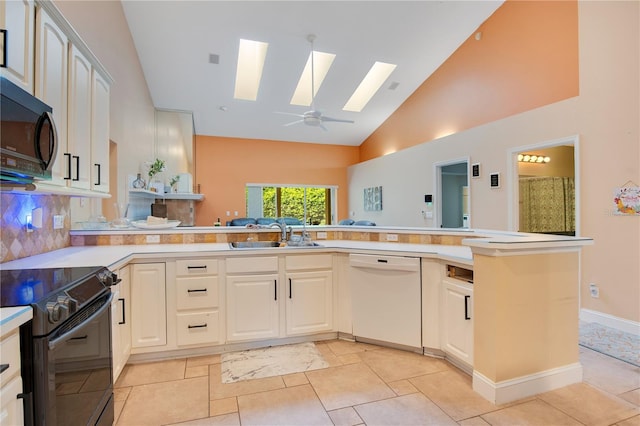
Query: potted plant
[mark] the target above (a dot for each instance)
(172, 183)
(156, 167)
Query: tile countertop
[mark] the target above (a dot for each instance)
(117, 256)
(12, 318)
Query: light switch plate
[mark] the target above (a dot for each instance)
(321, 235)
(58, 221)
(392, 237)
(153, 239)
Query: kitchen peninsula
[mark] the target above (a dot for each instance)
(523, 299)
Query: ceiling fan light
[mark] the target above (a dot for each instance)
(251, 56)
(369, 85)
(322, 62)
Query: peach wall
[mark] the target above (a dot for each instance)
(223, 167)
(527, 57)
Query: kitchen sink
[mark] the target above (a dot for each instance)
(265, 244)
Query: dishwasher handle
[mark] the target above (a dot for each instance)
(385, 263)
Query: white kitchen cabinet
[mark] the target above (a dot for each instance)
(78, 155)
(253, 298)
(252, 307)
(51, 85)
(99, 133)
(197, 304)
(457, 319)
(343, 290)
(11, 407)
(148, 305)
(16, 44)
(309, 298)
(121, 322)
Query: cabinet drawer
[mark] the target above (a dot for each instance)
(197, 328)
(10, 355)
(244, 265)
(310, 261)
(197, 292)
(11, 411)
(196, 267)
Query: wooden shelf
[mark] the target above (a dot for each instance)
(143, 193)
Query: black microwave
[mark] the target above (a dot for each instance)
(28, 136)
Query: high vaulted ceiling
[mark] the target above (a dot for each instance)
(175, 39)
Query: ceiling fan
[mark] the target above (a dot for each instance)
(313, 117)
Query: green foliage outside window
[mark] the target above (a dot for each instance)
(292, 203)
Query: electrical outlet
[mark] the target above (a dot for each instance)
(58, 221)
(392, 237)
(321, 235)
(595, 291)
(153, 239)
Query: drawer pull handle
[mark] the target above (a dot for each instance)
(466, 307)
(124, 319)
(383, 261)
(196, 290)
(85, 337)
(4, 367)
(290, 288)
(197, 326)
(197, 267)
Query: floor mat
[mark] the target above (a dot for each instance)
(610, 341)
(272, 361)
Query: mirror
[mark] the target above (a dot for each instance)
(174, 140)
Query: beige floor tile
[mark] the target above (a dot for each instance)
(151, 372)
(474, 421)
(633, 421)
(343, 347)
(393, 364)
(223, 420)
(291, 406)
(533, 413)
(632, 396)
(328, 355)
(452, 391)
(345, 417)
(121, 394)
(196, 371)
(348, 385)
(168, 402)
(349, 359)
(402, 387)
(607, 373)
(219, 390)
(223, 406)
(203, 360)
(589, 405)
(414, 409)
(295, 379)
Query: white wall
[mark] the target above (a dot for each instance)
(605, 116)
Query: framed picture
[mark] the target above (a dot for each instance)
(475, 170)
(373, 198)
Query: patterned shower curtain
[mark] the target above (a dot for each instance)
(547, 205)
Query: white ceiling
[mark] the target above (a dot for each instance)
(175, 38)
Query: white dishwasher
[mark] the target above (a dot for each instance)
(386, 298)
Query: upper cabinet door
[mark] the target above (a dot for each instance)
(52, 57)
(99, 134)
(79, 137)
(16, 44)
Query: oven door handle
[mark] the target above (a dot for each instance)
(53, 343)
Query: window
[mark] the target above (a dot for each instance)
(314, 205)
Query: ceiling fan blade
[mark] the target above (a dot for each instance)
(323, 127)
(335, 120)
(288, 113)
(293, 122)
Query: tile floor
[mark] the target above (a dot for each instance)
(366, 384)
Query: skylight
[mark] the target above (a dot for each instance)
(322, 62)
(249, 71)
(369, 85)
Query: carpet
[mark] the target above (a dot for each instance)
(271, 361)
(610, 341)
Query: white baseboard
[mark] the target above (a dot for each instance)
(621, 324)
(525, 386)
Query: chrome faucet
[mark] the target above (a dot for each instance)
(283, 229)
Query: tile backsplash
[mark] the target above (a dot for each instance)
(16, 241)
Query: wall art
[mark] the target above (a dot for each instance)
(373, 198)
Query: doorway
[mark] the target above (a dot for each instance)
(545, 188)
(452, 188)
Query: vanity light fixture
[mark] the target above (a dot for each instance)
(251, 56)
(533, 158)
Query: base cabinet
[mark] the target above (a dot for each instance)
(11, 407)
(148, 305)
(121, 322)
(457, 320)
(252, 307)
(309, 302)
